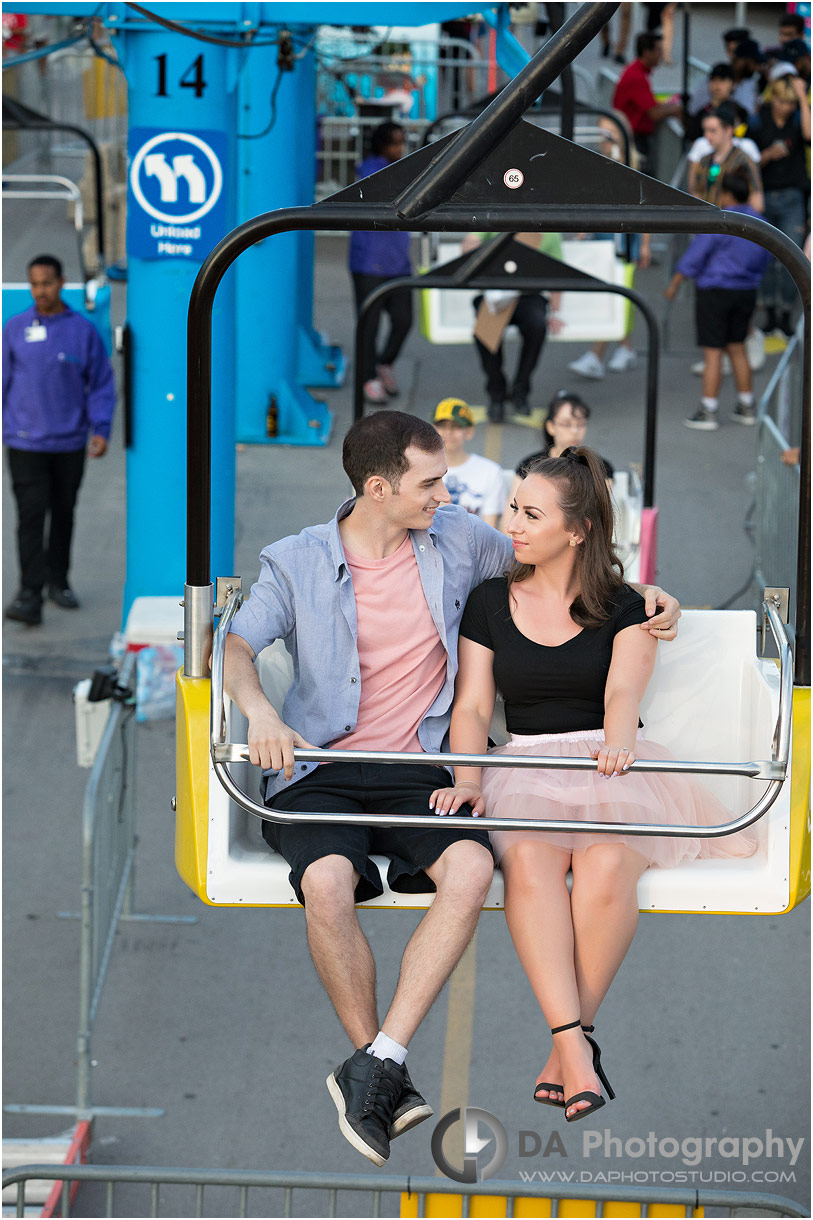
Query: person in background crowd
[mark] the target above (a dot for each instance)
(471, 480)
(706, 175)
(624, 23)
(58, 387)
(701, 146)
(745, 64)
(781, 130)
(732, 39)
(797, 53)
(791, 26)
(660, 18)
(533, 319)
(727, 271)
(376, 258)
(565, 424)
(707, 96)
(633, 95)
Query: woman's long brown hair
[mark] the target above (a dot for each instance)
(583, 497)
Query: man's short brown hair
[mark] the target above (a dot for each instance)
(377, 444)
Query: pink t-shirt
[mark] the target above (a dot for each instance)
(401, 657)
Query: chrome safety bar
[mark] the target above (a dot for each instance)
(773, 771)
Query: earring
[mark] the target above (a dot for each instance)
(572, 543)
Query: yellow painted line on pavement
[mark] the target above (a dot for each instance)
(493, 445)
(454, 1090)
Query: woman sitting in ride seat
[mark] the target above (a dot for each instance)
(561, 636)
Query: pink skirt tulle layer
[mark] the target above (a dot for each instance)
(648, 797)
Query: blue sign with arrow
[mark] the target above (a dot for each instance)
(176, 193)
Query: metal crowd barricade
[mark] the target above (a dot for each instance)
(107, 892)
(778, 482)
(412, 1193)
(343, 144)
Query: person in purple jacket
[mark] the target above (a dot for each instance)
(376, 258)
(727, 271)
(58, 386)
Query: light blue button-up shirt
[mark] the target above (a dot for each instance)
(305, 597)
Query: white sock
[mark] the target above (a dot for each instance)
(387, 1048)
(745, 400)
(710, 404)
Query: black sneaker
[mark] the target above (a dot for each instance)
(496, 411)
(521, 405)
(66, 598)
(705, 421)
(365, 1090)
(410, 1109)
(26, 608)
(744, 415)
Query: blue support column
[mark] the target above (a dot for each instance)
(273, 278)
(319, 363)
(160, 278)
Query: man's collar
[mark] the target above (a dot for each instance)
(337, 549)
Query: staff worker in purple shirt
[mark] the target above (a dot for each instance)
(58, 386)
(727, 271)
(376, 258)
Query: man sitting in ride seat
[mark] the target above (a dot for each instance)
(369, 606)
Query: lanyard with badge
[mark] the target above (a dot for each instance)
(36, 333)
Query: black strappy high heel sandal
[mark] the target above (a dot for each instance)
(555, 1088)
(595, 1099)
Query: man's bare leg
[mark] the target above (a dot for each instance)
(462, 875)
(340, 950)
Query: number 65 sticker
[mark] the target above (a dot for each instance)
(513, 178)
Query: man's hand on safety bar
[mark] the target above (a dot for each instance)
(271, 743)
(449, 800)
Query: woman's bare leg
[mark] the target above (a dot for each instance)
(537, 910)
(604, 906)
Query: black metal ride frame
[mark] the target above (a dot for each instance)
(469, 278)
(583, 108)
(461, 184)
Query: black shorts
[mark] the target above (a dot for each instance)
(386, 788)
(722, 315)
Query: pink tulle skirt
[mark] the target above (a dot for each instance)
(645, 797)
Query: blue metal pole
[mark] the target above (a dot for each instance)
(319, 363)
(182, 106)
(274, 282)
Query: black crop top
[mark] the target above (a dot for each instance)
(547, 689)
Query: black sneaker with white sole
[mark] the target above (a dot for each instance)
(703, 420)
(744, 415)
(410, 1109)
(365, 1091)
